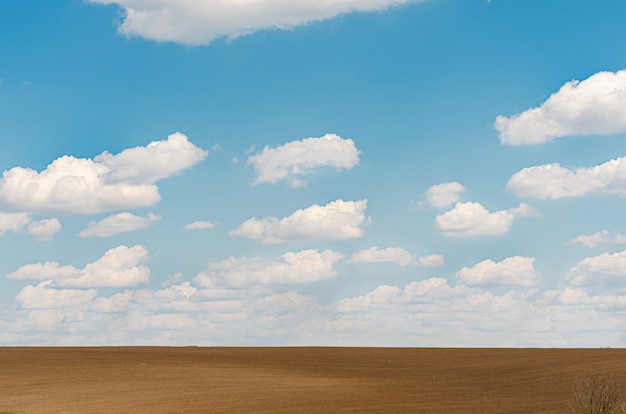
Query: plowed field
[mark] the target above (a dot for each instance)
(296, 380)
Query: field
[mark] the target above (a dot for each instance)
(296, 380)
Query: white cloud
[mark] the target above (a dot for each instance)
(43, 296)
(554, 181)
(14, 222)
(119, 267)
(516, 270)
(200, 225)
(118, 223)
(337, 220)
(443, 195)
(396, 255)
(44, 230)
(200, 22)
(596, 105)
(44, 271)
(603, 273)
(300, 158)
(431, 260)
(601, 237)
(472, 219)
(157, 160)
(292, 267)
(106, 183)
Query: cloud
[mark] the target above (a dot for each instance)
(516, 270)
(443, 195)
(106, 183)
(300, 158)
(44, 230)
(200, 225)
(604, 273)
(596, 105)
(119, 267)
(601, 237)
(396, 255)
(292, 267)
(472, 219)
(553, 181)
(194, 22)
(431, 260)
(44, 271)
(43, 296)
(337, 220)
(118, 223)
(14, 222)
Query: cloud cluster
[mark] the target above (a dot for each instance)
(292, 267)
(118, 267)
(118, 223)
(107, 183)
(300, 158)
(396, 255)
(195, 22)
(596, 105)
(244, 300)
(472, 219)
(554, 181)
(337, 220)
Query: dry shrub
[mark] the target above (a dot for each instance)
(595, 393)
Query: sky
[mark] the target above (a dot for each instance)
(422, 173)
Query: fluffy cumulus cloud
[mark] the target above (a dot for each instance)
(292, 267)
(119, 267)
(596, 105)
(200, 225)
(516, 270)
(601, 237)
(118, 223)
(605, 273)
(195, 22)
(396, 255)
(43, 296)
(300, 158)
(106, 183)
(443, 195)
(472, 219)
(554, 181)
(337, 220)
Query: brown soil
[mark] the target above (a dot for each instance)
(296, 380)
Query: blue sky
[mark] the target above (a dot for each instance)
(371, 173)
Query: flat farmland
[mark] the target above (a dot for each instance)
(296, 380)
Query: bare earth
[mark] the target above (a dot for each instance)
(296, 380)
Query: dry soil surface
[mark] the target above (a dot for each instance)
(296, 380)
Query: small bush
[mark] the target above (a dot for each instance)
(596, 393)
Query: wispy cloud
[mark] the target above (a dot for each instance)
(118, 223)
